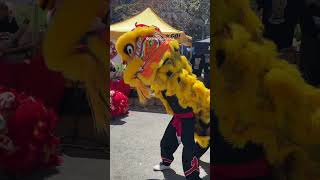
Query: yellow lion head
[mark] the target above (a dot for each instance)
(144, 50)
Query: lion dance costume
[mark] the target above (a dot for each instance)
(260, 98)
(69, 27)
(155, 64)
(27, 141)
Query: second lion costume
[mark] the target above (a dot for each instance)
(260, 98)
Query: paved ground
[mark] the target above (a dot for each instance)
(135, 148)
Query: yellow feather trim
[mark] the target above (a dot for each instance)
(60, 54)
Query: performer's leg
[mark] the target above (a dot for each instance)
(199, 151)
(189, 158)
(168, 145)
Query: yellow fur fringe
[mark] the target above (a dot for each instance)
(261, 98)
(68, 26)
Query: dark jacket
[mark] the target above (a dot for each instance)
(198, 64)
(282, 34)
(9, 24)
(295, 12)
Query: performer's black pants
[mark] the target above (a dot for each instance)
(191, 151)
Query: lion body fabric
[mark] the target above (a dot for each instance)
(260, 98)
(64, 34)
(167, 71)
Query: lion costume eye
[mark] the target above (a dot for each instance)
(128, 49)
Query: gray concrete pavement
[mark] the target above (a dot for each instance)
(135, 148)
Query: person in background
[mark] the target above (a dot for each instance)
(24, 35)
(8, 24)
(310, 42)
(198, 62)
(8, 28)
(280, 18)
(189, 52)
(21, 45)
(206, 70)
(185, 51)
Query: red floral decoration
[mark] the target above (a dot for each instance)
(119, 85)
(26, 133)
(119, 103)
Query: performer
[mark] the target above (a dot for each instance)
(180, 130)
(154, 63)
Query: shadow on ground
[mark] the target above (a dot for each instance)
(89, 153)
(206, 167)
(170, 174)
(117, 121)
(40, 174)
(78, 138)
(84, 148)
